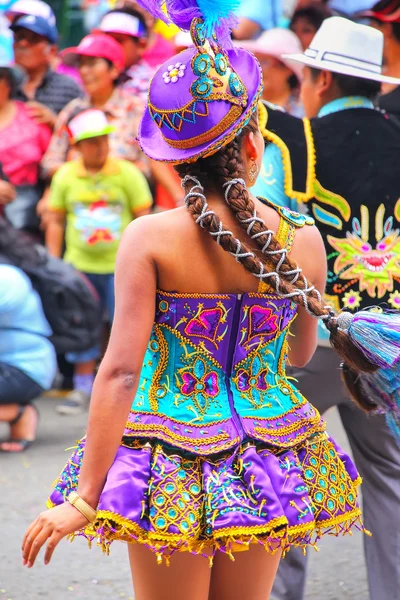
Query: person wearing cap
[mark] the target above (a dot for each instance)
(35, 48)
(128, 27)
(281, 78)
(385, 16)
(93, 198)
(342, 164)
(37, 8)
(100, 61)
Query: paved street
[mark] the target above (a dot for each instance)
(336, 573)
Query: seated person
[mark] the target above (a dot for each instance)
(27, 357)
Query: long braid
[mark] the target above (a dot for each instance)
(229, 170)
(274, 266)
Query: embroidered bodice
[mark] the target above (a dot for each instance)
(214, 373)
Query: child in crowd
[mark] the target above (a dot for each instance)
(94, 197)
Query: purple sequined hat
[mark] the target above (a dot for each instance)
(199, 100)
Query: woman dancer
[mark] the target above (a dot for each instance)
(218, 456)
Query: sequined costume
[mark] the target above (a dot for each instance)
(220, 449)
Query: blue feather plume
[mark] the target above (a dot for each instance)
(217, 15)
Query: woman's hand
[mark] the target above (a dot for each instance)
(52, 525)
(41, 114)
(7, 192)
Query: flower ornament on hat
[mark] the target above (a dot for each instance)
(174, 72)
(88, 124)
(213, 89)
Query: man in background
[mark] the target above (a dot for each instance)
(343, 166)
(35, 48)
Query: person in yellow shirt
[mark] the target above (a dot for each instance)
(93, 199)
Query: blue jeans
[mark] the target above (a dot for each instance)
(104, 285)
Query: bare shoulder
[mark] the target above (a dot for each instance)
(308, 238)
(309, 252)
(154, 230)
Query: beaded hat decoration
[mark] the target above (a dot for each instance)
(200, 99)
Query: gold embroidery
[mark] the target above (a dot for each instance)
(202, 295)
(200, 348)
(164, 433)
(233, 114)
(183, 423)
(285, 236)
(263, 433)
(229, 136)
(162, 364)
(329, 484)
(282, 431)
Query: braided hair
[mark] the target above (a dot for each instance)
(272, 263)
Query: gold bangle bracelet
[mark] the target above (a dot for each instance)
(83, 507)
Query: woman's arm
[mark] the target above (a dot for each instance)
(115, 385)
(309, 254)
(54, 235)
(118, 376)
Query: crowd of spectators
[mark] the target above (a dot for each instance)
(72, 175)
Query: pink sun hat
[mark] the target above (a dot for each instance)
(276, 42)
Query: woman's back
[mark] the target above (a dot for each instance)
(189, 260)
(216, 357)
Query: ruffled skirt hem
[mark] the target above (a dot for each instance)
(173, 501)
(274, 536)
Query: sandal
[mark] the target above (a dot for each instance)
(24, 443)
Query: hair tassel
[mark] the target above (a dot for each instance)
(376, 333)
(384, 387)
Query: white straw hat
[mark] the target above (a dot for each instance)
(341, 46)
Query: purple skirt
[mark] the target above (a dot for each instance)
(171, 501)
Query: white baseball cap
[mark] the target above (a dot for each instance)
(37, 8)
(89, 123)
(120, 22)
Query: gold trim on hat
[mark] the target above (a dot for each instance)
(233, 114)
